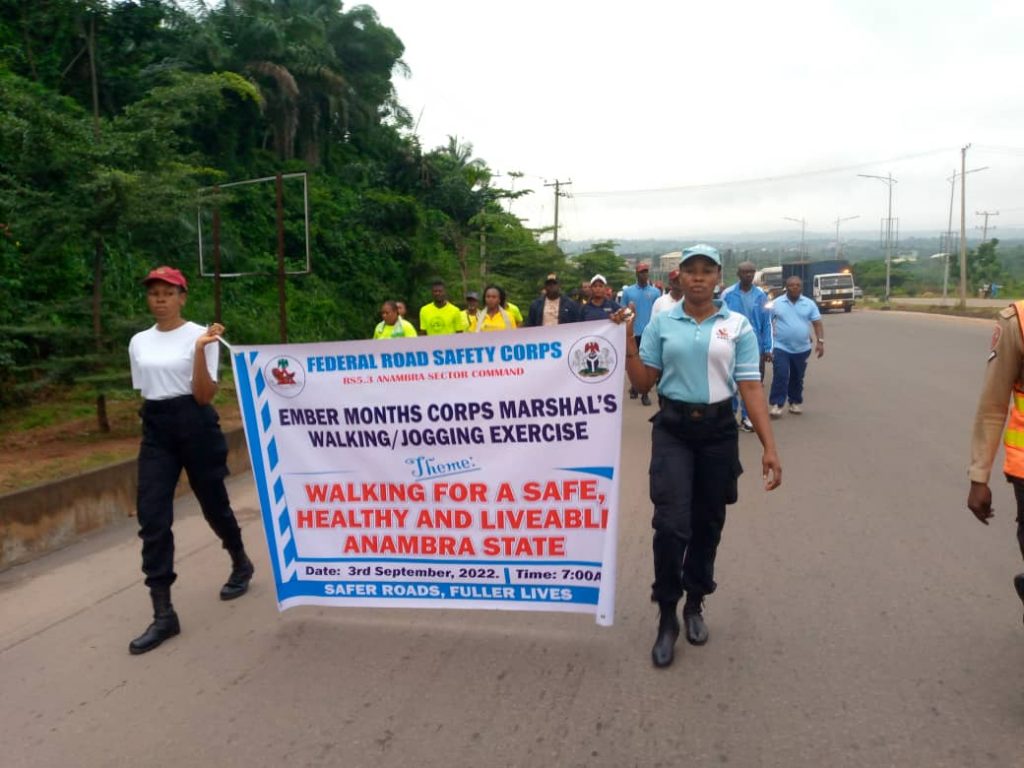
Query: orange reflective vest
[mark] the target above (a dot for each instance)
(1013, 440)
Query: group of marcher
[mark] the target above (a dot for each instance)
(783, 329)
(497, 313)
(703, 354)
(781, 326)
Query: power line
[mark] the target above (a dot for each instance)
(1004, 150)
(763, 179)
(984, 229)
(558, 193)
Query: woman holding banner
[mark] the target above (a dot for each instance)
(699, 354)
(174, 364)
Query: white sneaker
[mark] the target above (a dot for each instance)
(775, 411)
(795, 408)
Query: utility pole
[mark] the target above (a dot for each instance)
(963, 227)
(984, 228)
(558, 193)
(803, 229)
(839, 250)
(889, 181)
(947, 247)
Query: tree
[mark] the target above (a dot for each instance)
(458, 186)
(601, 258)
(116, 111)
(984, 266)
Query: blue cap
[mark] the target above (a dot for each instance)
(701, 250)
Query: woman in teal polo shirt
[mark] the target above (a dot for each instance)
(699, 354)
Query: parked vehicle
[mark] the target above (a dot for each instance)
(828, 283)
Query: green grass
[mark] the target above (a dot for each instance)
(56, 407)
(986, 313)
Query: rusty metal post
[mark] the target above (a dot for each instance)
(281, 294)
(216, 256)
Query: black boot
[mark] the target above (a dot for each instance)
(693, 618)
(1018, 584)
(663, 651)
(241, 574)
(165, 623)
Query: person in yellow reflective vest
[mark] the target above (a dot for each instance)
(1004, 377)
(392, 325)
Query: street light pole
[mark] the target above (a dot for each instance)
(838, 222)
(803, 229)
(889, 180)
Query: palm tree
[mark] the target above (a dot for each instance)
(321, 71)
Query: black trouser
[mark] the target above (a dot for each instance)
(1018, 492)
(179, 433)
(694, 467)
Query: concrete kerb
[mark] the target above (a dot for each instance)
(49, 516)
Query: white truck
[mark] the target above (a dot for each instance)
(833, 290)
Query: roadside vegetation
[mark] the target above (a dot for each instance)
(119, 118)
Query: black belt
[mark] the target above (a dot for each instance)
(167, 405)
(697, 411)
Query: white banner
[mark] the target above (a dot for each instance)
(464, 471)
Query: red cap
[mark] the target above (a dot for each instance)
(168, 275)
(643, 267)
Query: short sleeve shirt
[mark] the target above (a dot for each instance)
(162, 360)
(793, 323)
(663, 303)
(435, 321)
(643, 301)
(700, 362)
(513, 310)
(496, 322)
(594, 312)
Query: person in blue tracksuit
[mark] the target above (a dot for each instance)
(749, 300)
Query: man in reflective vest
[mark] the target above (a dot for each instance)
(1004, 376)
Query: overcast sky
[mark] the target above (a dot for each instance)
(685, 119)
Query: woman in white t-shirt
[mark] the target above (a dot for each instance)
(174, 365)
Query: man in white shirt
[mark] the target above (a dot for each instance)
(670, 299)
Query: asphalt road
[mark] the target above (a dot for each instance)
(863, 618)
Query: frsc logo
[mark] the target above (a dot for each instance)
(285, 376)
